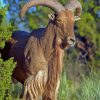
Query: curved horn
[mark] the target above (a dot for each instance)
(54, 5)
(74, 5)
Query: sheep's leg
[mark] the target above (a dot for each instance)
(34, 86)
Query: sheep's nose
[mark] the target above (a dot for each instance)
(71, 41)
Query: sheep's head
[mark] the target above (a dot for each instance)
(64, 23)
(63, 17)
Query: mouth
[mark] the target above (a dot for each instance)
(70, 42)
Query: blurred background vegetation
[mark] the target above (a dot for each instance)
(81, 75)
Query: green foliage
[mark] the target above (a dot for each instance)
(40, 16)
(6, 28)
(88, 26)
(6, 67)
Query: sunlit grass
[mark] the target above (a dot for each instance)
(88, 89)
(67, 89)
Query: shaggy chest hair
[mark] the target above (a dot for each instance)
(52, 63)
(42, 53)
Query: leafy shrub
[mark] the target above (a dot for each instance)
(6, 67)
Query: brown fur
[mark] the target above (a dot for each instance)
(39, 60)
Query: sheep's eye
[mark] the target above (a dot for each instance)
(59, 20)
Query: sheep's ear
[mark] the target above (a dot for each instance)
(51, 16)
(76, 18)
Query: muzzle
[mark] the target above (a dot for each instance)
(71, 41)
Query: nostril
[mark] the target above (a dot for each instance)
(71, 41)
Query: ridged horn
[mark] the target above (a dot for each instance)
(54, 5)
(74, 5)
